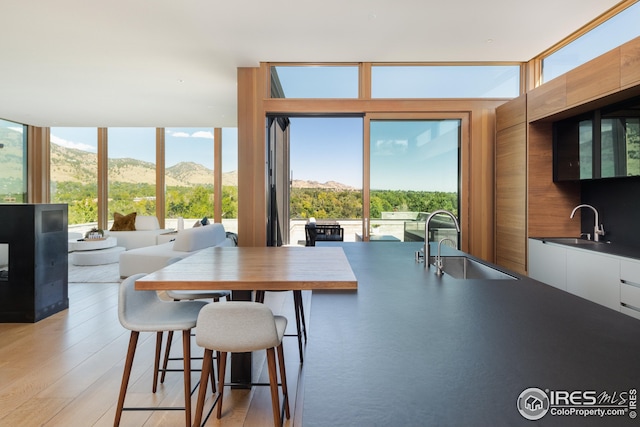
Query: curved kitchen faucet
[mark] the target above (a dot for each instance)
(598, 229)
(427, 252)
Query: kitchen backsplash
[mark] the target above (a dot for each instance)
(618, 202)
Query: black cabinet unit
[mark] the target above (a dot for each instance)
(34, 275)
(603, 143)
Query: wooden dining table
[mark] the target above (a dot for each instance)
(246, 269)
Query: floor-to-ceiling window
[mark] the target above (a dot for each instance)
(13, 162)
(189, 178)
(189, 173)
(230, 179)
(74, 174)
(132, 171)
(414, 170)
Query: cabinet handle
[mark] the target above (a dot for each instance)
(626, 282)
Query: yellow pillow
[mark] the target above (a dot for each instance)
(124, 222)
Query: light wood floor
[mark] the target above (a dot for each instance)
(66, 370)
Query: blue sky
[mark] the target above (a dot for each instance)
(405, 155)
(327, 149)
(182, 144)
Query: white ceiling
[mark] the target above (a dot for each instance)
(162, 63)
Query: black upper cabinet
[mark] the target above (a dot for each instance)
(603, 143)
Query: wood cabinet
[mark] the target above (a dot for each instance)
(524, 129)
(595, 79)
(610, 77)
(511, 185)
(630, 63)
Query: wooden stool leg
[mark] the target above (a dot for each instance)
(186, 352)
(283, 380)
(156, 362)
(273, 385)
(167, 349)
(207, 363)
(222, 365)
(213, 374)
(133, 341)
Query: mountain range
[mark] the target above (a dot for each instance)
(69, 164)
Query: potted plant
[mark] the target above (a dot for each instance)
(94, 233)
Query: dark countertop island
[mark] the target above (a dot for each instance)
(410, 348)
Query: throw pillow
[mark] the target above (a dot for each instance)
(201, 222)
(147, 222)
(124, 222)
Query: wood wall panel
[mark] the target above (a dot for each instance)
(596, 78)
(511, 196)
(549, 204)
(630, 63)
(482, 185)
(38, 163)
(252, 204)
(511, 113)
(547, 99)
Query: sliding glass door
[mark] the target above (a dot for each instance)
(414, 169)
(411, 167)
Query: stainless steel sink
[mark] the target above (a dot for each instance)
(571, 241)
(461, 267)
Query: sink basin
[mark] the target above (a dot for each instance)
(571, 241)
(461, 267)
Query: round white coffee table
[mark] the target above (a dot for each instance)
(94, 251)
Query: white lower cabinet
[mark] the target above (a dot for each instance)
(594, 277)
(548, 263)
(609, 280)
(630, 288)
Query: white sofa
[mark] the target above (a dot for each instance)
(146, 233)
(187, 242)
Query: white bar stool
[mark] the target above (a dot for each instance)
(144, 311)
(238, 327)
